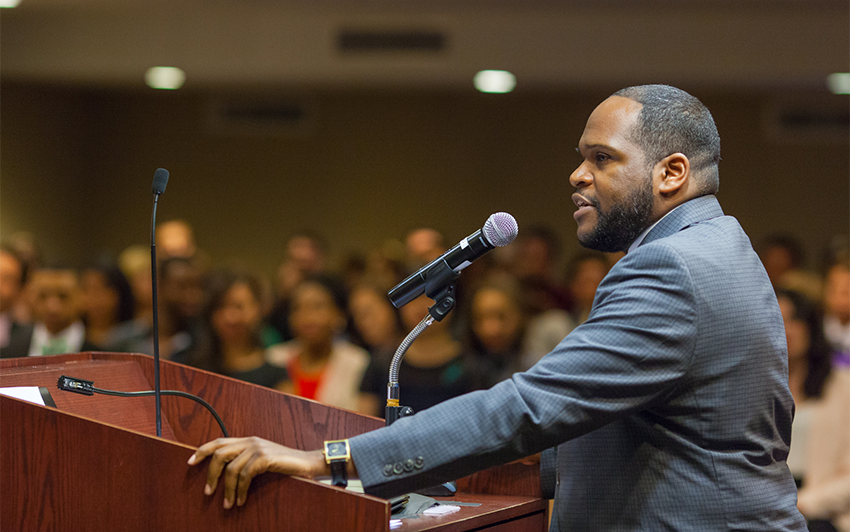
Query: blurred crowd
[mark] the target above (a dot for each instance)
(330, 334)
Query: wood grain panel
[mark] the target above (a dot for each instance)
(69, 472)
(134, 413)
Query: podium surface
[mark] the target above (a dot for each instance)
(95, 462)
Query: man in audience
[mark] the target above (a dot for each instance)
(537, 252)
(58, 328)
(305, 256)
(668, 409)
(422, 245)
(175, 238)
(180, 296)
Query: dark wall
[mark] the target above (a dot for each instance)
(77, 166)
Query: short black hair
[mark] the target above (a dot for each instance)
(672, 121)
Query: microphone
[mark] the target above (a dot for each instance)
(499, 230)
(160, 180)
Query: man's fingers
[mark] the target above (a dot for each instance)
(233, 474)
(248, 472)
(219, 459)
(206, 450)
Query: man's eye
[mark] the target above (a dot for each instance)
(601, 157)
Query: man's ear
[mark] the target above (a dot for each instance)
(673, 173)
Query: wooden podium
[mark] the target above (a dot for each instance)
(95, 463)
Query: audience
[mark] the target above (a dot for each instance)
(820, 452)
(320, 362)
(175, 238)
(780, 254)
(180, 296)
(378, 324)
(496, 327)
(233, 321)
(836, 300)
(107, 302)
(55, 300)
(808, 369)
(305, 256)
(13, 277)
(435, 367)
(537, 251)
(584, 273)
(135, 263)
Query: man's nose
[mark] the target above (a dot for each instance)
(581, 176)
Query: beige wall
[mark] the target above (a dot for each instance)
(77, 166)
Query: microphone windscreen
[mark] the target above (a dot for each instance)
(500, 229)
(160, 179)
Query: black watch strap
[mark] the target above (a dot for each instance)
(337, 455)
(339, 474)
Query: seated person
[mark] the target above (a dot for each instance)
(58, 327)
(435, 367)
(107, 301)
(13, 278)
(836, 301)
(496, 327)
(233, 321)
(808, 369)
(824, 498)
(320, 363)
(181, 292)
(378, 324)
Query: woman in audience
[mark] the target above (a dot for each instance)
(321, 364)
(808, 369)
(435, 367)
(820, 436)
(107, 301)
(496, 327)
(232, 319)
(378, 324)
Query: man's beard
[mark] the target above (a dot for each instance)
(616, 229)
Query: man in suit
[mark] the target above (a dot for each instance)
(668, 409)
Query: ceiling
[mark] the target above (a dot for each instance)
(547, 44)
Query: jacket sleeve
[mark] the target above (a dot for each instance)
(633, 351)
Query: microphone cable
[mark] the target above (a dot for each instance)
(84, 387)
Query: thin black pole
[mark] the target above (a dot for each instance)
(156, 388)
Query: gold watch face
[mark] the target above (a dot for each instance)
(336, 450)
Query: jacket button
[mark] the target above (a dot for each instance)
(408, 465)
(398, 468)
(388, 470)
(419, 462)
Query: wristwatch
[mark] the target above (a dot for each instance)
(337, 454)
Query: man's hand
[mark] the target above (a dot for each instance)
(244, 458)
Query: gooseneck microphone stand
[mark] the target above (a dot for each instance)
(160, 180)
(440, 286)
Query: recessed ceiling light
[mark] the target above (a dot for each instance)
(165, 77)
(494, 81)
(839, 83)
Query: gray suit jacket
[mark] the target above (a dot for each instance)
(669, 406)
